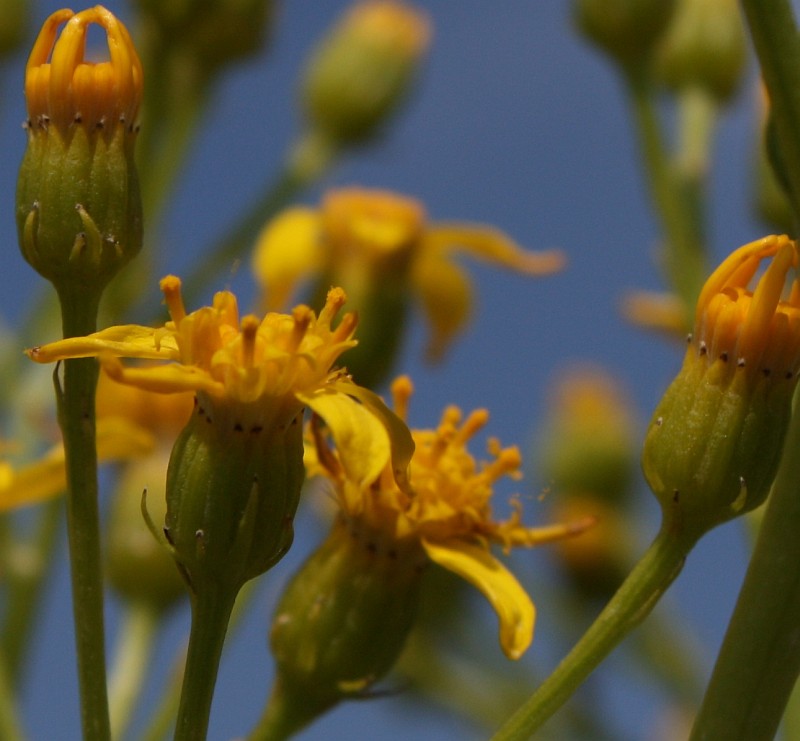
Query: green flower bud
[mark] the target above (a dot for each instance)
(626, 30)
(705, 47)
(344, 618)
(716, 438)
(587, 445)
(363, 69)
(138, 566)
(79, 212)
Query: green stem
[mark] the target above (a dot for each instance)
(28, 565)
(633, 601)
(211, 612)
(306, 163)
(775, 37)
(76, 415)
(283, 716)
(759, 661)
(10, 726)
(677, 206)
(134, 650)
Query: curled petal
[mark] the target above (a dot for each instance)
(492, 245)
(287, 251)
(162, 379)
(509, 600)
(130, 341)
(362, 442)
(446, 295)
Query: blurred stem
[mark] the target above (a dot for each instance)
(308, 160)
(211, 612)
(134, 649)
(791, 718)
(677, 205)
(76, 416)
(634, 600)
(10, 726)
(759, 661)
(283, 716)
(27, 565)
(777, 44)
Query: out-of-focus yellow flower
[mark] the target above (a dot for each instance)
(117, 439)
(715, 440)
(375, 243)
(662, 312)
(443, 510)
(68, 90)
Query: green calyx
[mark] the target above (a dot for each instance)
(232, 493)
(344, 618)
(714, 443)
(79, 210)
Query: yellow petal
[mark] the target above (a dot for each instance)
(492, 245)
(287, 250)
(162, 379)
(664, 312)
(130, 341)
(509, 600)
(117, 439)
(362, 441)
(402, 444)
(446, 295)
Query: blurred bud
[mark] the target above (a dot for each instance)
(79, 213)
(705, 47)
(213, 32)
(344, 618)
(138, 566)
(13, 25)
(716, 437)
(363, 69)
(626, 30)
(587, 444)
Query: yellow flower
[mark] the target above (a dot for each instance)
(378, 244)
(443, 510)
(715, 439)
(68, 90)
(33, 483)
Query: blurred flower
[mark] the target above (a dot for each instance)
(662, 312)
(117, 439)
(381, 248)
(715, 439)
(363, 69)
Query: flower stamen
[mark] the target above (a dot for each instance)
(171, 288)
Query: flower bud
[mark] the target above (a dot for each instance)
(344, 617)
(627, 30)
(79, 212)
(716, 437)
(705, 47)
(363, 69)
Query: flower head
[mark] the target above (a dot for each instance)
(716, 437)
(67, 90)
(443, 510)
(381, 248)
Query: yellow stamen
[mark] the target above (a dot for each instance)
(476, 421)
(249, 328)
(171, 288)
(402, 389)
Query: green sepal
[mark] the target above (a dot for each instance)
(232, 493)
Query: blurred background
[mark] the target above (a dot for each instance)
(515, 122)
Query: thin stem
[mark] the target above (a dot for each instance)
(10, 725)
(775, 37)
(759, 661)
(134, 651)
(28, 564)
(634, 600)
(283, 717)
(677, 206)
(211, 612)
(76, 415)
